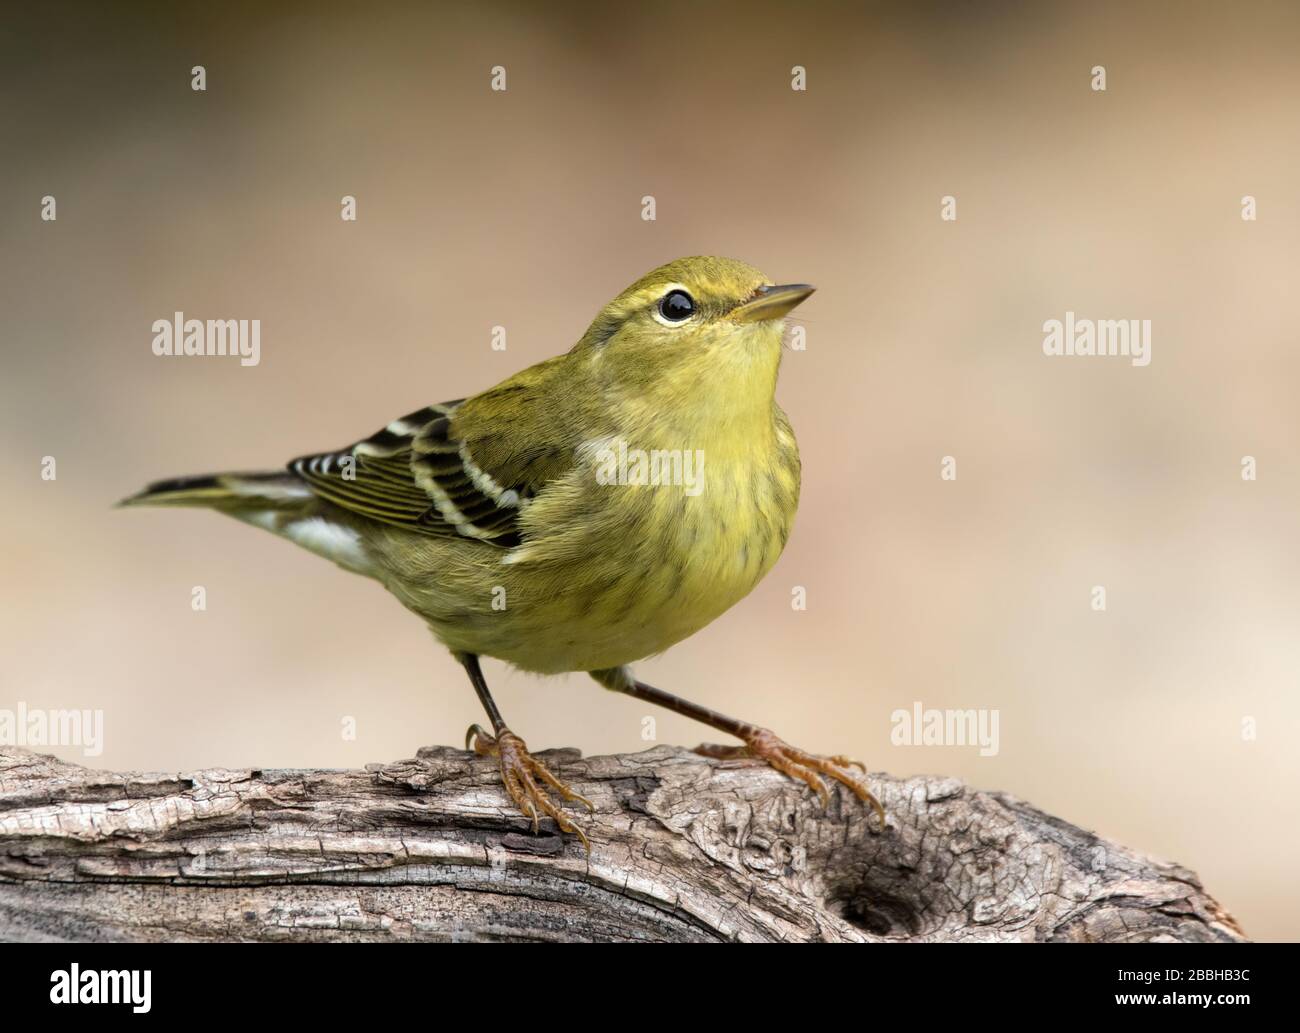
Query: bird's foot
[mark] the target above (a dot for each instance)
(521, 772)
(794, 762)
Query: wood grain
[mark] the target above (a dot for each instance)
(683, 848)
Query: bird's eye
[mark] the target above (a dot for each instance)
(676, 305)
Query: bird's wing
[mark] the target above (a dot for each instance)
(417, 473)
(469, 467)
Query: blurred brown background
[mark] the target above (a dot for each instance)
(523, 209)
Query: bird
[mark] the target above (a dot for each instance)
(588, 512)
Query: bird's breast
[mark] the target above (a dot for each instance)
(646, 549)
(626, 555)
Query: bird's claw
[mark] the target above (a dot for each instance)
(796, 763)
(521, 773)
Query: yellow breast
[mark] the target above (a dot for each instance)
(625, 565)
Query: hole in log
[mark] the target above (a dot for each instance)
(878, 914)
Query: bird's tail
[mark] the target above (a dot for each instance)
(231, 492)
(279, 501)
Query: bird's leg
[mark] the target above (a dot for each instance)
(521, 772)
(759, 742)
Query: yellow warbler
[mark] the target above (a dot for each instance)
(587, 512)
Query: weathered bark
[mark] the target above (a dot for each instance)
(683, 848)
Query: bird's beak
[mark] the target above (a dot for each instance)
(771, 302)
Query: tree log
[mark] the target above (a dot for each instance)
(682, 848)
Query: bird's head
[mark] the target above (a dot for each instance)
(712, 324)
